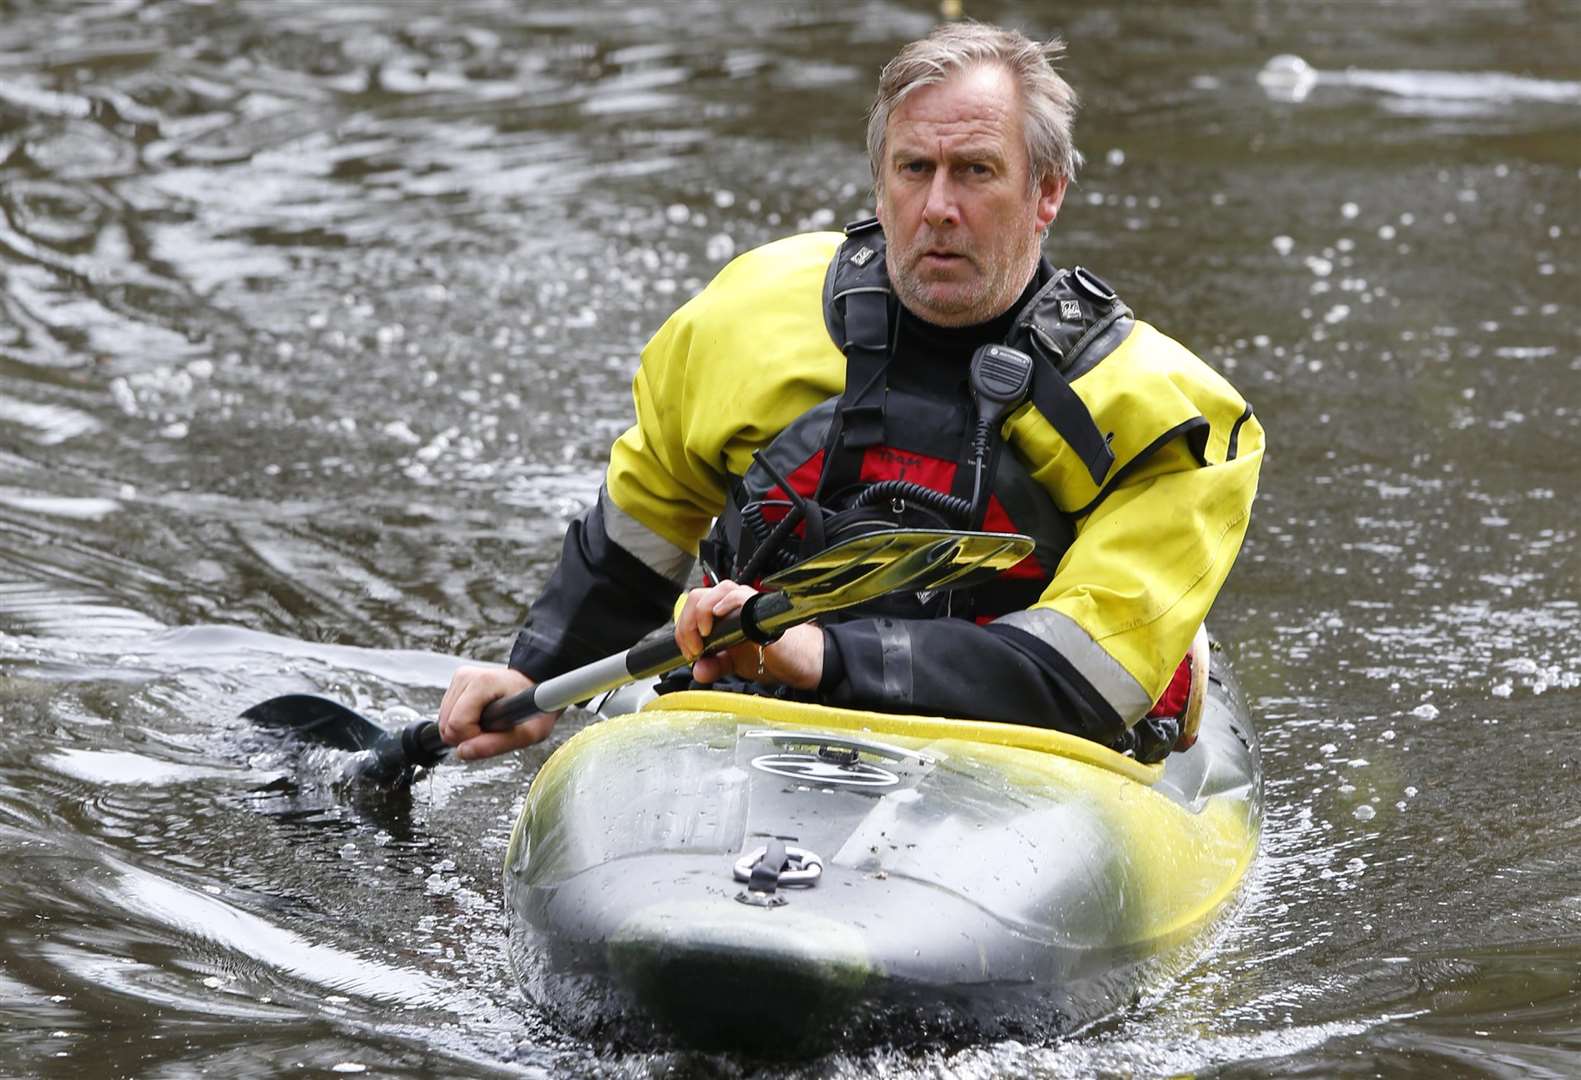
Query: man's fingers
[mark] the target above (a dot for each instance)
(685, 627)
(470, 690)
(533, 730)
(713, 667)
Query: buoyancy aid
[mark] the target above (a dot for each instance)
(879, 456)
(1157, 529)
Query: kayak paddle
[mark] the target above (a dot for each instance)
(849, 573)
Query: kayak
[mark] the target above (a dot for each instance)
(731, 871)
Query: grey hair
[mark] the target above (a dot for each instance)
(1048, 104)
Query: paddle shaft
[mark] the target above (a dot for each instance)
(851, 572)
(763, 617)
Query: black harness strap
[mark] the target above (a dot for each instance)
(859, 293)
(1068, 415)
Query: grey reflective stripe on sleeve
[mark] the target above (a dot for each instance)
(1127, 697)
(895, 640)
(643, 544)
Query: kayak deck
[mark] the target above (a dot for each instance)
(978, 879)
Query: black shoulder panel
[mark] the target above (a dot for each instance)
(1074, 321)
(857, 267)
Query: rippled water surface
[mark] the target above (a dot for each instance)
(316, 322)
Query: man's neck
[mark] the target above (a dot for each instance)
(952, 338)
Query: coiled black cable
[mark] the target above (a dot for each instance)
(940, 502)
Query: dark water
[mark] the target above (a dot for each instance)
(316, 321)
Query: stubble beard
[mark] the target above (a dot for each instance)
(999, 279)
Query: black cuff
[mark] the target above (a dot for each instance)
(833, 665)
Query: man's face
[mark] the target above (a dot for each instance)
(963, 220)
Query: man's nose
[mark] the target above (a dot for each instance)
(941, 208)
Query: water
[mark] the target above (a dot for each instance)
(316, 322)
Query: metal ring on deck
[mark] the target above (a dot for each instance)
(804, 867)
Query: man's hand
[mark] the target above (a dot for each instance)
(471, 689)
(794, 660)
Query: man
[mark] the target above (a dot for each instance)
(811, 370)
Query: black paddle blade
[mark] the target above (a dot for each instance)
(319, 720)
(390, 758)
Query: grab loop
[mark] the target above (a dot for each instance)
(766, 868)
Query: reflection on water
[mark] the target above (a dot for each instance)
(316, 322)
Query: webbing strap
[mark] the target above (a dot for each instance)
(859, 418)
(1063, 409)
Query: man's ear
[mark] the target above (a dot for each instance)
(1051, 193)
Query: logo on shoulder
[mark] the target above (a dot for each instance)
(1069, 310)
(863, 256)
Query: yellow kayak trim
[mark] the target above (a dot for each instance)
(927, 728)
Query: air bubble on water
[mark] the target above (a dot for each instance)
(348, 851)
(121, 393)
(1365, 813)
(1337, 313)
(1386, 232)
(1349, 210)
(1388, 736)
(1284, 245)
(1503, 690)
(1319, 266)
(1425, 711)
(177, 430)
(1115, 157)
(720, 247)
(677, 213)
(400, 431)
(724, 198)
